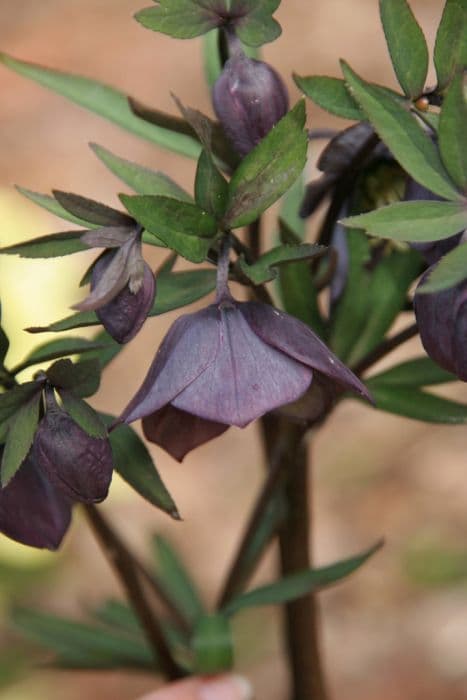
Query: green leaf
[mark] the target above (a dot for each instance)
(12, 400)
(105, 101)
(135, 465)
(51, 246)
(80, 645)
(421, 371)
(449, 271)
(181, 19)
(290, 207)
(299, 584)
(55, 349)
(176, 580)
(413, 221)
(211, 189)
(331, 94)
(450, 54)
(82, 413)
(416, 404)
(82, 378)
(402, 134)
(265, 268)
(452, 130)
(268, 170)
(142, 180)
(184, 227)
(20, 436)
(258, 27)
(96, 212)
(109, 348)
(116, 614)
(212, 644)
(51, 205)
(406, 44)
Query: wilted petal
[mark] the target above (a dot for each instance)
(247, 378)
(179, 432)
(295, 339)
(125, 314)
(32, 510)
(107, 236)
(188, 348)
(109, 275)
(74, 462)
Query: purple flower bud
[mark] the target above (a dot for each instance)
(442, 324)
(124, 315)
(74, 462)
(249, 98)
(228, 365)
(32, 510)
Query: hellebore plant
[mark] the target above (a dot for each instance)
(313, 319)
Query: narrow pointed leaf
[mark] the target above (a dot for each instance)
(407, 45)
(331, 94)
(421, 371)
(117, 614)
(85, 416)
(452, 130)
(12, 400)
(268, 170)
(212, 644)
(53, 245)
(450, 54)
(402, 134)
(89, 209)
(142, 180)
(49, 203)
(419, 405)
(413, 221)
(135, 465)
(211, 188)
(105, 101)
(177, 580)
(56, 349)
(265, 268)
(82, 378)
(20, 437)
(299, 584)
(450, 270)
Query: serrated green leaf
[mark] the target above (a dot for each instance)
(53, 245)
(330, 94)
(269, 170)
(406, 44)
(82, 413)
(452, 130)
(299, 584)
(134, 463)
(413, 221)
(450, 52)
(259, 27)
(212, 645)
(449, 271)
(211, 188)
(402, 134)
(142, 180)
(264, 269)
(19, 439)
(13, 399)
(181, 19)
(80, 645)
(49, 203)
(416, 404)
(55, 349)
(82, 378)
(184, 227)
(105, 101)
(89, 209)
(421, 371)
(176, 580)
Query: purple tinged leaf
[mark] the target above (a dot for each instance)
(342, 149)
(32, 511)
(107, 236)
(92, 211)
(110, 275)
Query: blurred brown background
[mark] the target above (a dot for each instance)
(397, 629)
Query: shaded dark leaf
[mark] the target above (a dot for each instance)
(51, 246)
(82, 413)
(82, 378)
(265, 268)
(88, 209)
(51, 205)
(55, 349)
(19, 439)
(13, 399)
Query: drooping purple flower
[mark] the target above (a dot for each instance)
(249, 98)
(226, 366)
(442, 324)
(32, 510)
(72, 460)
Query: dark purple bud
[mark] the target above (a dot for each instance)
(249, 98)
(228, 365)
(32, 510)
(74, 462)
(442, 324)
(432, 251)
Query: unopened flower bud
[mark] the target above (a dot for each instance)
(249, 98)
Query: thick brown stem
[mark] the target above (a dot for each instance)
(123, 564)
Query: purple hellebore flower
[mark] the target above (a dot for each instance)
(228, 365)
(442, 324)
(32, 510)
(249, 98)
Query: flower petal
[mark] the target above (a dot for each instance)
(247, 379)
(32, 510)
(179, 432)
(295, 339)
